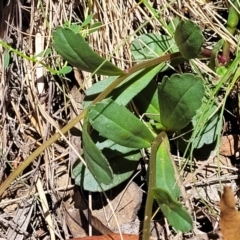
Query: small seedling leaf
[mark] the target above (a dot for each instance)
(189, 39)
(96, 162)
(65, 70)
(73, 48)
(94, 27)
(6, 59)
(115, 122)
(180, 96)
(87, 20)
(176, 214)
(44, 53)
(214, 55)
(173, 25)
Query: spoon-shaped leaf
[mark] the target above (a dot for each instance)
(167, 189)
(173, 210)
(166, 177)
(189, 39)
(180, 96)
(73, 48)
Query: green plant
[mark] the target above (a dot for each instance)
(113, 136)
(232, 22)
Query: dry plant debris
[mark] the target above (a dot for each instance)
(113, 236)
(33, 106)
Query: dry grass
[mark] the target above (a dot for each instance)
(34, 104)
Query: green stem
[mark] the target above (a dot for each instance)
(32, 59)
(232, 22)
(71, 124)
(151, 184)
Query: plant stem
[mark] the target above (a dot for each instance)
(232, 22)
(32, 59)
(72, 123)
(151, 184)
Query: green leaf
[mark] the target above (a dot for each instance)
(126, 91)
(97, 164)
(109, 148)
(100, 86)
(133, 85)
(115, 122)
(73, 48)
(167, 189)
(94, 27)
(44, 53)
(6, 59)
(122, 166)
(97, 88)
(189, 39)
(165, 174)
(151, 45)
(214, 55)
(65, 70)
(221, 71)
(173, 25)
(173, 210)
(210, 127)
(180, 96)
(75, 27)
(147, 101)
(207, 126)
(87, 20)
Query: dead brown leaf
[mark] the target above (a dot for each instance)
(230, 217)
